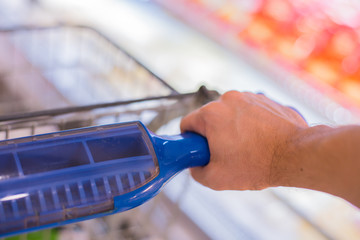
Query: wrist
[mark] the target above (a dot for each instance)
(295, 162)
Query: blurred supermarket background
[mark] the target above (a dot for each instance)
(302, 53)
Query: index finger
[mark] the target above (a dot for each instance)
(193, 122)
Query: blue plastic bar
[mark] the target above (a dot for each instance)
(54, 179)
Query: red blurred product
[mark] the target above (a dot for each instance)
(317, 41)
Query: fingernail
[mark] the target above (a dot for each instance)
(297, 111)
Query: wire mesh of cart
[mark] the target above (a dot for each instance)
(64, 77)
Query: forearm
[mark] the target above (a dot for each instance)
(321, 158)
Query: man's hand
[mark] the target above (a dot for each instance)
(257, 143)
(247, 135)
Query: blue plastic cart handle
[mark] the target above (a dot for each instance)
(65, 177)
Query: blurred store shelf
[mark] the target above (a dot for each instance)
(308, 47)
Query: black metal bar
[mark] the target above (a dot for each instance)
(66, 110)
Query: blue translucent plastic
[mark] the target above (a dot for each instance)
(59, 178)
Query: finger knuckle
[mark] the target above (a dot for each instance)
(210, 108)
(230, 95)
(236, 96)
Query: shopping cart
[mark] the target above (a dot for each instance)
(64, 77)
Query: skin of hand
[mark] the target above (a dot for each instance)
(256, 143)
(245, 133)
